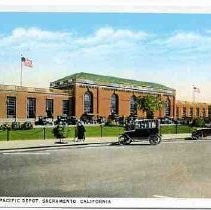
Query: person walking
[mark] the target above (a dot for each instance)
(80, 132)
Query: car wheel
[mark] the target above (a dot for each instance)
(127, 140)
(123, 140)
(154, 139)
(196, 135)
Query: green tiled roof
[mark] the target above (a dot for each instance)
(107, 80)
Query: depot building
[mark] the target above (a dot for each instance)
(91, 94)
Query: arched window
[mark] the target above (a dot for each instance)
(167, 107)
(88, 102)
(133, 106)
(114, 104)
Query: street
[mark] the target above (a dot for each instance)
(178, 169)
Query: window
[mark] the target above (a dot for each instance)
(49, 107)
(11, 107)
(31, 107)
(204, 112)
(167, 107)
(177, 112)
(88, 102)
(191, 112)
(197, 112)
(65, 107)
(114, 104)
(209, 111)
(133, 106)
(184, 112)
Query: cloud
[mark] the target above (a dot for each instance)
(185, 38)
(162, 58)
(110, 35)
(35, 33)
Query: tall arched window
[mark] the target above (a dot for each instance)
(114, 104)
(167, 107)
(88, 102)
(133, 106)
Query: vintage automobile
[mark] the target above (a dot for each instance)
(200, 133)
(42, 120)
(139, 130)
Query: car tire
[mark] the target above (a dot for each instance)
(123, 140)
(127, 140)
(197, 136)
(154, 139)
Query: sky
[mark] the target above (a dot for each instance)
(170, 49)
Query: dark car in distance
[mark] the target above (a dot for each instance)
(200, 133)
(139, 130)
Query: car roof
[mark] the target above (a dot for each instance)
(140, 120)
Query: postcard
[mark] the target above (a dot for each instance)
(105, 109)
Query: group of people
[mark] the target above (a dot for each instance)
(59, 132)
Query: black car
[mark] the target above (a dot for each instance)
(200, 133)
(62, 120)
(72, 120)
(139, 130)
(44, 121)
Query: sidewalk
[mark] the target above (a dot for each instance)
(31, 144)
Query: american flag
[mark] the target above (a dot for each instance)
(26, 62)
(196, 90)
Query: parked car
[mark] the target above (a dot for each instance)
(200, 133)
(87, 118)
(167, 121)
(61, 120)
(44, 121)
(66, 120)
(145, 129)
(72, 120)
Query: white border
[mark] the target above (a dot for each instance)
(120, 6)
(103, 203)
(146, 6)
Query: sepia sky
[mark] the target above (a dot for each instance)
(171, 49)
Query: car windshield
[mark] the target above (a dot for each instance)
(145, 124)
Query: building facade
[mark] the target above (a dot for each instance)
(95, 95)
(185, 109)
(26, 104)
(103, 96)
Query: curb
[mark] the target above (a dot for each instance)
(57, 145)
(54, 146)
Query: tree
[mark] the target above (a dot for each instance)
(149, 104)
(198, 122)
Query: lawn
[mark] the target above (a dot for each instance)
(91, 131)
(171, 129)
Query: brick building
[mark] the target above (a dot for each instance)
(103, 95)
(93, 95)
(22, 103)
(185, 109)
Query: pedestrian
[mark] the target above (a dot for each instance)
(80, 132)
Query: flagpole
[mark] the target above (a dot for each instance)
(193, 94)
(21, 76)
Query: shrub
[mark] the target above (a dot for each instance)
(5, 126)
(26, 126)
(59, 132)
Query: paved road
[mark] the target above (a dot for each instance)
(171, 169)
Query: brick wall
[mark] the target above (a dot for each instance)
(180, 105)
(21, 95)
(102, 101)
